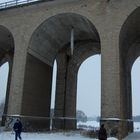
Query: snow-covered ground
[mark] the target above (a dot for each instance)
(47, 136)
(94, 125)
(133, 136)
(136, 126)
(72, 135)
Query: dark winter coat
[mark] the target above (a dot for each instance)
(17, 127)
(102, 135)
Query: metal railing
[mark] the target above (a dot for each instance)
(14, 3)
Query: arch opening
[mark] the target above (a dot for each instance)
(135, 94)
(49, 42)
(6, 62)
(129, 52)
(89, 93)
(4, 71)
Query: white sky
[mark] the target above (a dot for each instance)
(136, 86)
(89, 82)
(4, 69)
(88, 92)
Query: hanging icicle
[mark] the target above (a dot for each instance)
(72, 41)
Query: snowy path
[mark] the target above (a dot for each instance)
(36, 136)
(46, 136)
(133, 136)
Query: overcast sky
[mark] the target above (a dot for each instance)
(89, 83)
(4, 69)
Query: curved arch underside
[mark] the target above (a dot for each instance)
(54, 33)
(6, 44)
(130, 38)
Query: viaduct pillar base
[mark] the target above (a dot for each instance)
(36, 123)
(64, 123)
(30, 123)
(3, 120)
(118, 128)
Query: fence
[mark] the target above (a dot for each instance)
(13, 3)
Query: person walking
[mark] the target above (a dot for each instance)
(102, 135)
(17, 128)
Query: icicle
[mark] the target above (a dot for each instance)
(72, 41)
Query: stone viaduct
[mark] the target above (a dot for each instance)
(33, 36)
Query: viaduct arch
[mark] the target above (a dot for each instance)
(53, 37)
(129, 52)
(35, 35)
(6, 55)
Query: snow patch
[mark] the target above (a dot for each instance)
(46, 136)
